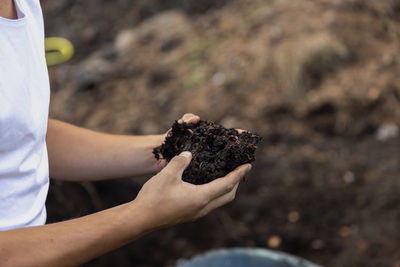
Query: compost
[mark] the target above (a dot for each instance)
(216, 150)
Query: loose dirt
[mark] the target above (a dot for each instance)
(216, 150)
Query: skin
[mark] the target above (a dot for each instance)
(78, 154)
(7, 9)
(164, 200)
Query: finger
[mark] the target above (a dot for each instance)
(225, 184)
(221, 201)
(177, 165)
(189, 118)
(161, 164)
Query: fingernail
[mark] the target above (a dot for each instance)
(186, 154)
(191, 118)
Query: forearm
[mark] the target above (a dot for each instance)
(73, 242)
(78, 154)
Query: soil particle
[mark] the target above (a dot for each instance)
(216, 150)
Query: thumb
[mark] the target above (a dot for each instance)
(178, 164)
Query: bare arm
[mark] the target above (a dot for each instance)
(164, 200)
(7, 9)
(78, 154)
(73, 242)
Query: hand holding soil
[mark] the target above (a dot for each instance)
(186, 118)
(169, 200)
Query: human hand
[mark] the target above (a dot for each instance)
(168, 200)
(186, 118)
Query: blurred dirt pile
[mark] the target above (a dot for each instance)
(319, 80)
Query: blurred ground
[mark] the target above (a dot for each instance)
(319, 80)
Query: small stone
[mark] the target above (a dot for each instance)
(349, 177)
(218, 79)
(387, 131)
(293, 216)
(125, 40)
(274, 241)
(344, 231)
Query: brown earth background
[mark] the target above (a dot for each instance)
(319, 80)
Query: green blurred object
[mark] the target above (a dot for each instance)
(58, 50)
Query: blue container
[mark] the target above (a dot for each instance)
(245, 257)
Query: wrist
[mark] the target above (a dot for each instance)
(154, 141)
(141, 160)
(140, 218)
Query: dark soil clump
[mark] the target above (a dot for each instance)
(216, 150)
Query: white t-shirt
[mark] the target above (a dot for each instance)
(24, 105)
